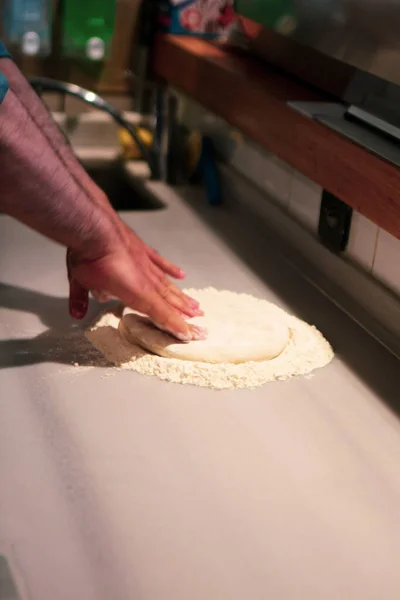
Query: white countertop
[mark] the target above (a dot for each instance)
(115, 486)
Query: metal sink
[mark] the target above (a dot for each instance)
(115, 182)
(94, 141)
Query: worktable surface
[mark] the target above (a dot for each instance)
(116, 486)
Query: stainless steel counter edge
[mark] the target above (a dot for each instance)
(115, 485)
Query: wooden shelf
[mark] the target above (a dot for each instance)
(252, 96)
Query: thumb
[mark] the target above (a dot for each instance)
(78, 295)
(78, 300)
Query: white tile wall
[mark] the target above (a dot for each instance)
(363, 241)
(387, 261)
(305, 201)
(264, 169)
(374, 250)
(260, 166)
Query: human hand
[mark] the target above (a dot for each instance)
(136, 274)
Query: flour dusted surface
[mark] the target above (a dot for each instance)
(307, 350)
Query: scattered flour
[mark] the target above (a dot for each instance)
(307, 350)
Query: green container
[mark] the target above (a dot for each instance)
(88, 28)
(275, 14)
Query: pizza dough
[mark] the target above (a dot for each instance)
(240, 329)
(307, 350)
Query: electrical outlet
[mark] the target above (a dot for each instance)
(334, 222)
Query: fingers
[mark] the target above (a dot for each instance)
(161, 268)
(78, 297)
(178, 299)
(165, 265)
(174, 295)
(185, 305)
(165, 314)
(78, 300)
(102, 296)
(166, 318)
(140, 284)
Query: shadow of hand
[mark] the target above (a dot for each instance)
(63, 341)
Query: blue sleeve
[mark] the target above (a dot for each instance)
(3, 52)
(3, 78)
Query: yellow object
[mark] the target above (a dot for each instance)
(130, 150)
(193, 151)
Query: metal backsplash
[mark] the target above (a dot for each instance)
(362, 33)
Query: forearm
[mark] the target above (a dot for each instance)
(40, 115)
(38, 188)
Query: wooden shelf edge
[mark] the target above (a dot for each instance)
(253, 98)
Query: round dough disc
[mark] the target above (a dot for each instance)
(240, 329)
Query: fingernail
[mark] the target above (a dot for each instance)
(182, 273)
(194, 303)
(78, 311)
(199, 333)
(184, 337)
(108, 298)
(78, 316)
(198, 312)
(102, 296)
